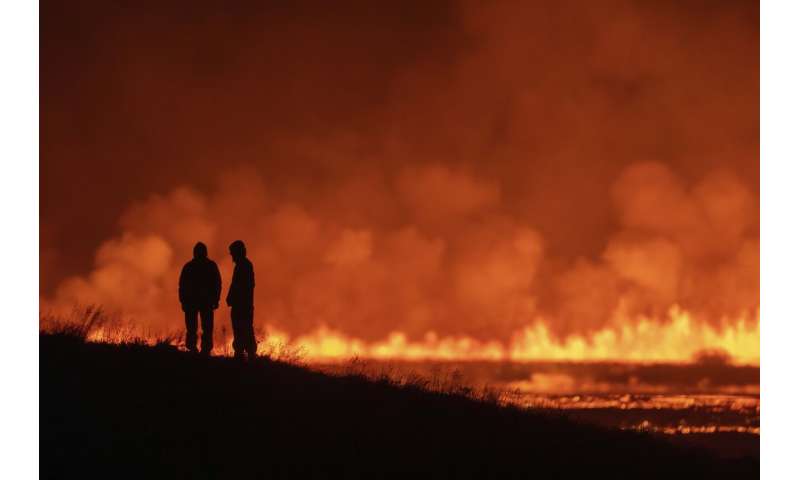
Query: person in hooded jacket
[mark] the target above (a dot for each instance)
(199, 289)
(240, 299)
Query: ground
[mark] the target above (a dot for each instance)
(155, 412)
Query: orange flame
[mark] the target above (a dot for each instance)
(642, 339)
(676, 339)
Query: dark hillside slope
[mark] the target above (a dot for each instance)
(134, 411)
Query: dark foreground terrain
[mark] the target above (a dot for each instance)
(110, 411)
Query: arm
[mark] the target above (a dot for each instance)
(229, 297)
(217, 286)
(248, 291)
(182, 286)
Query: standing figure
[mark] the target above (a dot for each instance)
(199, 288)
(240, 299)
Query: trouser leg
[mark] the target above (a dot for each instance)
(190, 317)
(244, 339)
(249, 334)
(207, 320)
(236, 324)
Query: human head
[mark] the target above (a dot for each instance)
(200, 250)
(237, 250)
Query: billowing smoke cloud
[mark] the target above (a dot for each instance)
(692, 245)
(465, 169)
(466, 265)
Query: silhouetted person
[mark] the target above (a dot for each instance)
(240, 299)
(199, 288)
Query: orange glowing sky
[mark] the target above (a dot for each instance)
(530, 179)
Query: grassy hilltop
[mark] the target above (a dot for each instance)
(116, 411)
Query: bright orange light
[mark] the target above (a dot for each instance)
(641, 339)
(676, 339)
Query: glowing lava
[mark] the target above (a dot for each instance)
(678, 339)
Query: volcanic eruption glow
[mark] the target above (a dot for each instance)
(475, 180)
(476, 285)
(676, 340)
(642, 340)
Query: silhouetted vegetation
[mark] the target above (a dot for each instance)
(129, 410)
